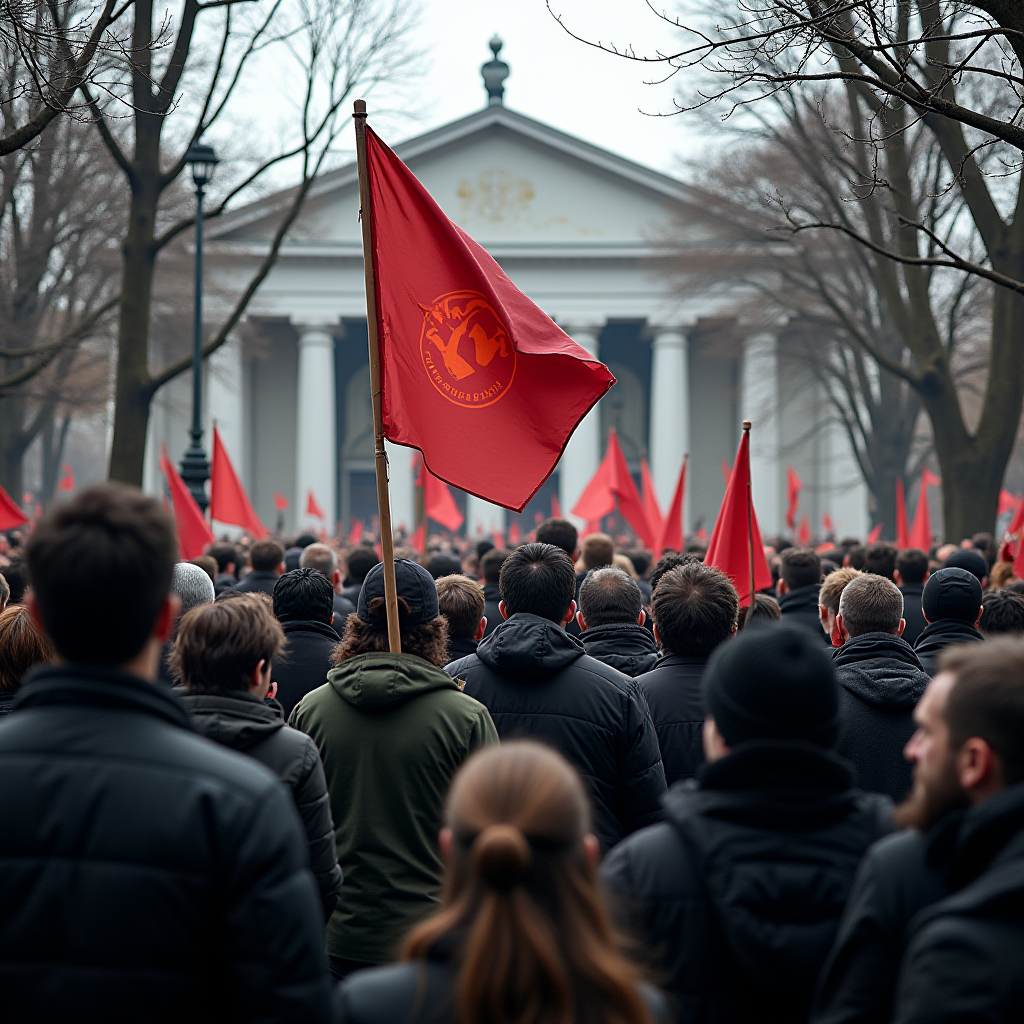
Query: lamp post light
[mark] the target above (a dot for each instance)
(195, 468)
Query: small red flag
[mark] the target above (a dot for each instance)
(228, 501)
(438, 501)
(280, 501)
(473, 373)
(730, 545)
(10, 515)
(652, 510)
(27, 498)
(804, 536)
(613, 481)
(556, 507)
(826, 524)
(313, 506)
(418, 541)
(673, 529)
(793, 486)
(875, 534)
(902, 533)
(1007, 503)
(702, 535)
(514, 535)
(499, 539)
(538, 517)
(357, 533)
(921, 531)
(193, 531)
(67, 481)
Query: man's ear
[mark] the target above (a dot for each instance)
(657, 639)
(978, 766)
(837, 632)
(781, 588)
(570, 613)
(481, 629)
(166, 618)
(279, 569)
(33, 610)
(641, 618)
(256, 675)
(897, 578)
(335, 578)
(977, 621)
(903, 626)
(503, 609)
(580, 622)
(334, 615)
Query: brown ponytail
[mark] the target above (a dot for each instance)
(535, 942)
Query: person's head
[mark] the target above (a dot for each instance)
(228, 646)
(870, 604)
(22, 645)
(482, 547)
(766, 611)
(303, 595)
(911, 567)
(695, 607)
(491, 563)
(1000, 574)
(305, 539)
(971, 560)
(1015, 587)
(642, 561)
(855, 557)
(423, 630)
(443, 563)
(828, 600)
(101, 566)
(358, 562)
(625, 563)
(798, 567)
(461, 601)
(322, 558)
(227, 557)
(521, 897)
(598, 551)
(668, 562)
(1004, 613)
(540, 579)
(559, 532)
(943, 552)
(770, 684)
(880, 559)
(207, 564)
(5, 592)
(609, 596)
(192, 585)
(969, 742)
(267, 556)
(17, 581)
(952, 593)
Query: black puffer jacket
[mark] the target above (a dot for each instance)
(146, 874)
(672, 690)
(247, 724)
(881, 681)
(537, 681)
(305, 662)
(258, 581)
(492, 596)
(938, 635)
(739, 892)
(624, 646)
(801, 606)
(912, 611)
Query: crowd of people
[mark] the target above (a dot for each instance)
(591, 787)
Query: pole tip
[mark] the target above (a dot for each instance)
(746, 424)
(359, 108)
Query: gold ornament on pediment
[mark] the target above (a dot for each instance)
(496, 194)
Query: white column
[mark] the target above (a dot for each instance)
(401, 486)
(670, 412)
(761, 403)
(582, 455)
(316, 434)
(483, 514)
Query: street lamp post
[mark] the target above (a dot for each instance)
(195, 468)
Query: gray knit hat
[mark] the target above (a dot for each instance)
(192, 585)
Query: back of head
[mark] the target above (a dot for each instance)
(987, 699)
(483, 546)
(669, 562)
(491, 563)
(444, 563)
(912, 565)
(773, 684)
(608, 596)
(834, 585)
(303, 595)
(641, 560)
(538, 578)
(360, 561)
(22, 645)
(305, 539)
(207, 563)
(101, 566)
(766, 611)
(1004, 613)
(871, 604)
(5, 592)
(559, 532)
(219, 645)
(1015, 587)
(800, 567)
(266, 555)
(695, 607)
(951, 593)
(855, 557)
(973, 561)
(880, 559)
(521, 897)
(461, 601)
(192, 585)
(320, 557)
(598, 550)
(17, 580)
(225, 554)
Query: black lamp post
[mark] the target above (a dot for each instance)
(195, 469)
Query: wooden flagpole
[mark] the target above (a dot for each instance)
(750, 524)
(380, 456)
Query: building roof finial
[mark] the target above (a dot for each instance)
(495, 72)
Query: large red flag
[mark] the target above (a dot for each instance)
(613, 481)
(673, 530)
(473, 373)
(10, 515)
(193, 531)
(228, 501)
(438, 501)
(729, 549)
(921, 531)
(793, 486)
(652, 510)
(902, 533)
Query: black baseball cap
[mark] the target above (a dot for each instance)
(415, 586)
(951, 593)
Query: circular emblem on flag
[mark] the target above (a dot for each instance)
(466, 350)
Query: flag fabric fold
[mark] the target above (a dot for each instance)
(902, 533)
(228, 501)
(673, 530)
(10, 515)
(438, 502)
(194, 532)
(793, 487)
(921, 531)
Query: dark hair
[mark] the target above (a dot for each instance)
(912, 565)
(1004, 612)
(597, 551)
(538, 578)
(303, 595)
(443, 563)
(766, 609)
(219, 645)
(491, 563)
(428, 641)
(266, 555)
(483, 546)
(857, 556)
(641, 560)
(17, 580)
(101, 566)
(609, 595)
(559, 532)
(22, 645)
(1015, 587)
(522, 904)
(871, 604)
(358, 562)
(987, 699)
(461, 601)
(799, 567)
(5, 590)
(880, 559)
(225, 554)
(304, 540)
(695, 609)
(668, 562)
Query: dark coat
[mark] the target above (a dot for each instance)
(912, 594)
(738, 894)
(351, 592)
(940, 634)
(537, 681)
(248, 724)
(460, 646)
(965, 953)
(624, 646)
(801, 606)
(259, 581)
(343, 608)
(146, 874)
(492, 595)
(7, 702)
(672, 690)
(881, 681)
(224, 581)
(305, 662)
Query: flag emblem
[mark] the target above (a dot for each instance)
(466, 349)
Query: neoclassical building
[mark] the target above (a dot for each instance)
(576, 228)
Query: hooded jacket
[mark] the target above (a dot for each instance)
(537, 681)
(739, 892)
(305, 661)
(881, 680)
(246, 723)
(392, 730)
(800, 605)
(624, 646)
(938, 635)
(912, 611)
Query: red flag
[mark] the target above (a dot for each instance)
(793, 485)
(67, 481)
(313, 506)
(514, 535)
(419, 539)
(921, 531)
(556, 507)
(652, 510)
(228, 501)
(597, 499)
(804, 537)
(702, 535)
(1007, 503)
(902, 533)
(613, 481)
(1015, 541)
(826, 524)
(730, 545)
(875, 534)
(726, 472)
(10, 515)
(357, 533)
(499, 539)
(27, 498)
(193, 531)
(673, 530)
(464, 354)
(280, 501)
(438, 502)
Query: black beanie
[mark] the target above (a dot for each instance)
(951, 594)
(973, 561)
(776, 683)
